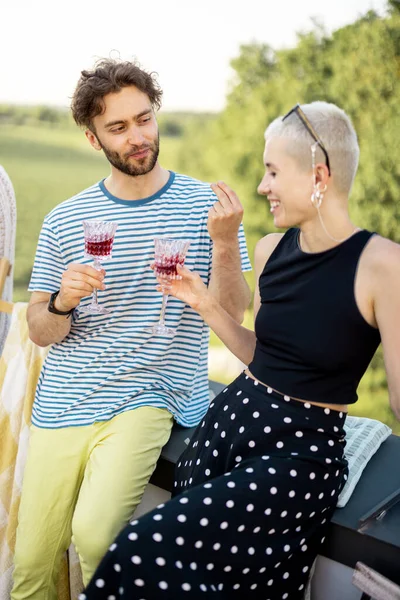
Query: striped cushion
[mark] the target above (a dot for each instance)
(363, 438)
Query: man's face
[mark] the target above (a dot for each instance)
(127, 132)
(138, 161)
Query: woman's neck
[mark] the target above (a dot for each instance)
(327, 229)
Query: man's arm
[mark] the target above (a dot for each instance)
(46, 328)
(227, 283)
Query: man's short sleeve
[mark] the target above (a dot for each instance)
(244, 255)
(49, 265)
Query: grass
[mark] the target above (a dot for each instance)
(48, 165)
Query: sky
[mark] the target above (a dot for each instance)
(44, 44)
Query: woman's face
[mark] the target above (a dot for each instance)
(287, 185)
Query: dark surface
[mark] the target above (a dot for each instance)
(378, 545)
(380, 478)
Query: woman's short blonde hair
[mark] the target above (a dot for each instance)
(337, 133)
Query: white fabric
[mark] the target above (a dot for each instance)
(8, 225)
(20, 365)
(363, 438)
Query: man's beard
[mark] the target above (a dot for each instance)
(141, 166)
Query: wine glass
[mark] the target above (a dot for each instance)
(169, 252)
(99, 238)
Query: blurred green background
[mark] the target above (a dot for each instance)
(357, 67)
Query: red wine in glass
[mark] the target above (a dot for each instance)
(97, 248)
(99, 238)
(169, 252)
(165, 266)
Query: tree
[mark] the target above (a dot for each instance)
(357, 68)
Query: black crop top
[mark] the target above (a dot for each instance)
(312, 341)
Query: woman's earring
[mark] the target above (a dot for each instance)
(318, 195)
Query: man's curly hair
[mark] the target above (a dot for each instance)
(110, 76)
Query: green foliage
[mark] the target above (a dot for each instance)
(170, 128)
(373, 395)
(33, 115)
(357, 68)
(394, 5)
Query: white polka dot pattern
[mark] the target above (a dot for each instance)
(241, 522)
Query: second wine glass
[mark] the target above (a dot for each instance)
(99, 238)
(168, 253)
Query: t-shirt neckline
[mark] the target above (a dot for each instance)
(135, 203)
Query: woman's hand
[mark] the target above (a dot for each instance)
(189, 288)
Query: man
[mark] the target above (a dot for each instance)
(109, 390)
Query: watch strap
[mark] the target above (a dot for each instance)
(51, 308)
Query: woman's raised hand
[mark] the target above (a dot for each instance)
(189, 288)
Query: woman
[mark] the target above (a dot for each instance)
(256, 488)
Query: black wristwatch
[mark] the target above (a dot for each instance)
(51, 308)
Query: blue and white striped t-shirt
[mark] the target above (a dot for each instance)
(109, 364)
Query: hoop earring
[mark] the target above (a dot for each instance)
(318, 195)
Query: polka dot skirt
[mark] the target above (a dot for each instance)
(253, 495)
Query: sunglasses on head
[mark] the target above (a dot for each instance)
(303, 118)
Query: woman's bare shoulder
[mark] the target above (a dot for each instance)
(265, 247)
(382, 255)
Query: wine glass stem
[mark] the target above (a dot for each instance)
(163, 307)
(97, 266)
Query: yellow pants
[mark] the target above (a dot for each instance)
(84, 483)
